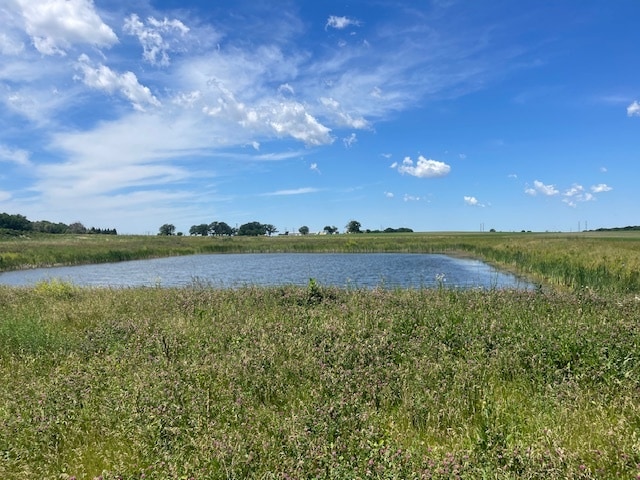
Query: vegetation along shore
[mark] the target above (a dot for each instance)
(322, 382)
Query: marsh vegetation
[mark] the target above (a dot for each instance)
(321, 382)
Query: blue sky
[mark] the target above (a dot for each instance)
(434, 115)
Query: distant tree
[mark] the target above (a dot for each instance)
(253, 229)
(353, 227)
(167, 229)
(330, 230)
(77, 227)
(270, 229)
(304, 230)
(201, 230)
(220, 229)
(45, 226)
(14, 222)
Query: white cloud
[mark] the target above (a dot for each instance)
(541, 188)
(291, 118)
(314, 168)
(601, 187)
(423, 168)
(9, 45)
(156, 37)
(56, 25)
(17, 156)
(102, 77)
(472, 201)
(388, 194)
(350, 140)
(285, 88)
(4, 196)
(575, 190)
(411, 198)
(340, 23)
(296, 191)
(343, 118)
(633, 109)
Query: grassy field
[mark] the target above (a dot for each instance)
(317, 382)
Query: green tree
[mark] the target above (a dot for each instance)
(304, 230)
(202, 230)
(167, 229)
(253, 229)
(270, 229)
(220, 229)
(353, 227)
(330, 230)
(77, 227)
(14, 222)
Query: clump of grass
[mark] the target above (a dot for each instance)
(317, 382)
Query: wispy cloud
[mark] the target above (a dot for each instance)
(16, 156)
(101, 77)
(340, 23)
(295, 191)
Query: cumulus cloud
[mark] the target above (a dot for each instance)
(340, 23)
(156, 36)
(314, 168)
(633, 109)
(56, 25)
(542, 189)
(388, 194)
(472, 201)
(422, 168)
(601, 187)
(103, 78)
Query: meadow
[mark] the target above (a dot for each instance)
(320, 382)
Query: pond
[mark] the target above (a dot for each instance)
(356, 270)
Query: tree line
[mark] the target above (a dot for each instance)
(222, 229)
(17, 223)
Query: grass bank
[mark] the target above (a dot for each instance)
(317, 382)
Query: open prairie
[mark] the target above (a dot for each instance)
(319, 382)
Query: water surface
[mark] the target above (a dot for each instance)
(359, 270)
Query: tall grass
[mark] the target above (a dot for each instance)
(317, 382)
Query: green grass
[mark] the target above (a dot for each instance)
(317, 382)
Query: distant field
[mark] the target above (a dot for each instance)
(607, 261)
